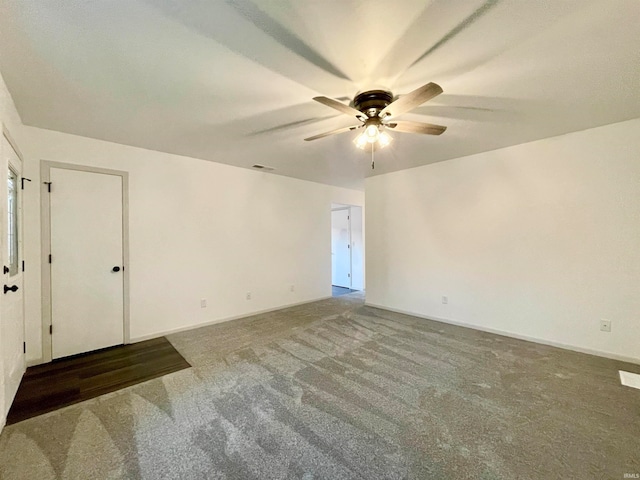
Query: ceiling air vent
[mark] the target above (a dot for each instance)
(262, 167)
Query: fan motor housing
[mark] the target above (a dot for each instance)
(372, 99)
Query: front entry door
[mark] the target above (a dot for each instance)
(87, 286)
(12, 312)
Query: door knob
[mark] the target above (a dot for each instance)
(12, 288)
(115, 269)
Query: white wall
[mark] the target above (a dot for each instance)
(10, 120)
(198, 229)
(540, 240)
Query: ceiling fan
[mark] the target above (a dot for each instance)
(377, 110)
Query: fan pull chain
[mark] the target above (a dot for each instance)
(373, 164)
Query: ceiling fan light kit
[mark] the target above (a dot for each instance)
(375, 109)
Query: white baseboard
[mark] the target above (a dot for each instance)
(35, 361)
(542, 341)
(221, 320)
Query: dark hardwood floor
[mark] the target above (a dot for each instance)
(70, 380)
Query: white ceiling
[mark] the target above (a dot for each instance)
(232, 81)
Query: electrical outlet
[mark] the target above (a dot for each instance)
(248, 295)
(292, 288)
(203, 303)
(605, 325)
(445, 300)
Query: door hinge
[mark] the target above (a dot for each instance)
(24, 347)
(348, 246)
(349, 275)
(22, 182)
(23, 265)
(48, 184)
(50, 329)
(49, 258)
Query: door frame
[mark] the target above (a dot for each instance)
(45, 225)
(348, 209)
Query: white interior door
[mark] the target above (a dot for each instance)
(340, 248)
(87, 286)
(12, 311)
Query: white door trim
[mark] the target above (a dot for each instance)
(45, 224)
(14, 145)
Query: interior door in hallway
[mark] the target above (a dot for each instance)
(12, 312)
(87, 286)
(340, 248)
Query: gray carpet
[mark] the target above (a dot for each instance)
(337, 390)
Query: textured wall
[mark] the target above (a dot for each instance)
(538, 240)
(197, 230)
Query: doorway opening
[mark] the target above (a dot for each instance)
(347, 249)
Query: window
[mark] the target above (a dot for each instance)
(12, 222)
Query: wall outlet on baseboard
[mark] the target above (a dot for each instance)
(248, 295)
(445, 300)
(203, 303)
(605, 325)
